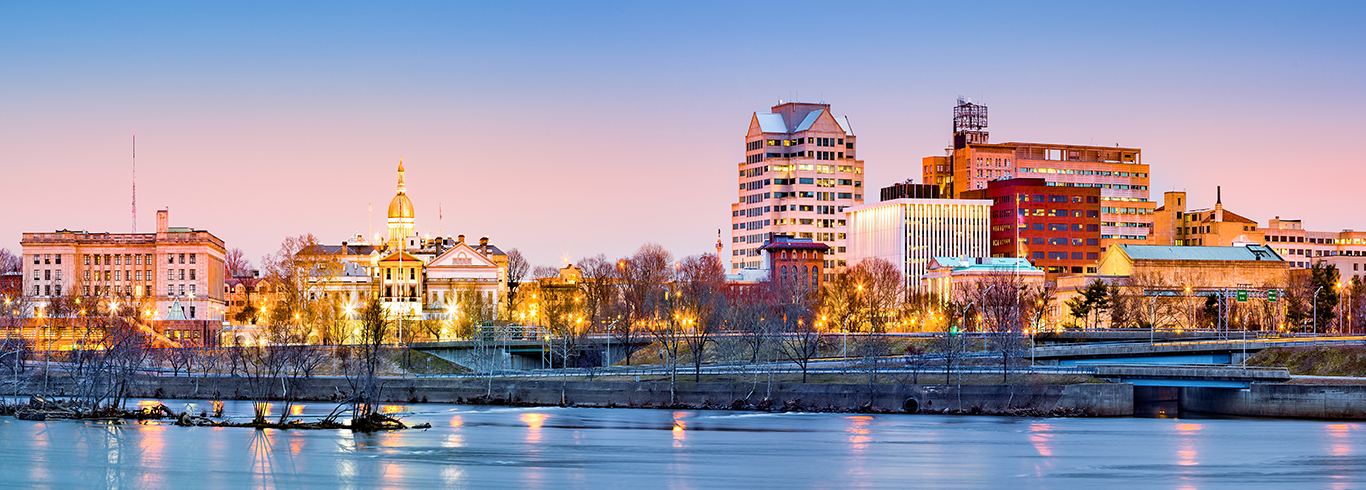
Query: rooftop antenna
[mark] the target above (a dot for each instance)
(135, 182)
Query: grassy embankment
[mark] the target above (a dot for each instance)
(1315, 361)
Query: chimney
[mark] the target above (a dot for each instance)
(1218, 204)
(483, 241)
(162, 220)
(460, 239)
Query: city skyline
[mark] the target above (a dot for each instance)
(552, 129)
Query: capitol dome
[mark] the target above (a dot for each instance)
(401, 206)
(401, 214)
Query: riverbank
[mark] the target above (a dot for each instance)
(1094, 399)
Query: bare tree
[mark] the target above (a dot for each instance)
(701, 297)
(517, 269)
(296, 270)
(599, 293)
(235, 263)
(642, 278)
(363, 366)
(793, 309)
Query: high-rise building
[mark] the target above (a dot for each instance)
(176, 272)
(1119, 173)
(910, 233)
(799, 175)
(1056, 228)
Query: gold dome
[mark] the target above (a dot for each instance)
(401, 206)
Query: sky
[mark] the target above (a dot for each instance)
(571, 129)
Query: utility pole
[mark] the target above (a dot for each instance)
(1316, 312)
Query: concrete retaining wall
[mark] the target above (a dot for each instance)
(1104, 399)
(1279, 400)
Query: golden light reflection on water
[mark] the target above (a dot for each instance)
(680, 428)
(456, 421)
(1339, 438)
(296, 410)
(389, 409)
(1186, 452)
(263, 469)
(859, 429)
(533, 422)
(1041, 438)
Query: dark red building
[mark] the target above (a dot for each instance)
(1057, 228)
(795, 259)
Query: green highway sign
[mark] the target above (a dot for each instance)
(1242, 295)
(1271, 295)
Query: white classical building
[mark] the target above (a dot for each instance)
(912, 232)
(416, 277)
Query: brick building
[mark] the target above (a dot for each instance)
(1056, 228)
(1119, 173)
(795, 259)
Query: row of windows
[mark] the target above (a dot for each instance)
(1068, 171)
(1065, 256)
(1116, 210)
(1056, 241)
(1102, 186)
(756, 144)
(1057, 198)
(1056, 213)
(819, 155)
(1126, 224)
(1123, 237)
(820, 169)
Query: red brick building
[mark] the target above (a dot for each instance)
(795, 259)
(1057, 228)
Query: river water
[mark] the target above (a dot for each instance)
(501, 447)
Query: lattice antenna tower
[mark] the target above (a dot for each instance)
(969, 123)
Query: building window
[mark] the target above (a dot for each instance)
(182, 258)
(191, 312)
(170, 258)
(182, 274)
(192, 274)
(191, 258)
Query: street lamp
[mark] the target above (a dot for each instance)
(1316, 312)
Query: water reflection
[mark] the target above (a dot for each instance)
(505, 447)
(533, 422)
(1039, 436)
(680, 428)
(859, 428)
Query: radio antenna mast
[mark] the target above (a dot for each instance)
(135, 182)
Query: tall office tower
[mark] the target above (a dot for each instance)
(799, 175)
(1119, 173)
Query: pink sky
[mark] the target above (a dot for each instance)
(573, 131)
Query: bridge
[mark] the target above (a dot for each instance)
(1180, 352)
(522, 353)
(1191, 376)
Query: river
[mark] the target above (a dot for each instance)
(501, 447)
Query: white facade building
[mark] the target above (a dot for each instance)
(912, 232)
